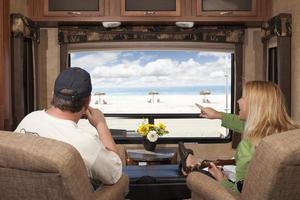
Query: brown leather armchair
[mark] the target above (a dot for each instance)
(273, 174)
(36, 168)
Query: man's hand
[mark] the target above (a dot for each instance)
(95, 117)
(209, 113)
(216, 172)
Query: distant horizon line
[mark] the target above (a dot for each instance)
(182, 90)
(185, 86)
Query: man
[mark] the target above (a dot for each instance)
(71, 98)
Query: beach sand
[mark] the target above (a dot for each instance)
(163, 104)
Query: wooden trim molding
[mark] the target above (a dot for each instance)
(5, 88)
(1, 117)
(238, 87)
(63, 57)
(2, 75)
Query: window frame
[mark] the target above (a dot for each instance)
(122, 46)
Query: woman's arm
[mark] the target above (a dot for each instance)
(233, 122)
(230, 121)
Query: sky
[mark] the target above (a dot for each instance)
(153, 68)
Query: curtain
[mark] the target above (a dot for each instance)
(23, 39)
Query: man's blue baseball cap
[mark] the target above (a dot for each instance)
(73, 83)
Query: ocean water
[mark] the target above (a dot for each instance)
(182, 90)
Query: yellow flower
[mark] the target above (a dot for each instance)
(159, 129)
(150, 126)
(143, 129)
(161, 126)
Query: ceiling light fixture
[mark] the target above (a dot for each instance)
(185, 24)
(111, 24)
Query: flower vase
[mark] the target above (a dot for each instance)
(149, 146)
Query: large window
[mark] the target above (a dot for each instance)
(130, 86)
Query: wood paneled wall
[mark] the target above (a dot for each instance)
(5, 96)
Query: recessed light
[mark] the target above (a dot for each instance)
(111, 24)
(185, 24)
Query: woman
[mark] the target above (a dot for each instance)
(263, 110)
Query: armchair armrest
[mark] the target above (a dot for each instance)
(204, 187)
(118, 191)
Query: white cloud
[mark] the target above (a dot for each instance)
(219, 55)
(217, 74)
(94, 59)
(108, 70)
(160, 67)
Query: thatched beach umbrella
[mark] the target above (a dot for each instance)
(204, 93)
(153, 93)
(99, 94)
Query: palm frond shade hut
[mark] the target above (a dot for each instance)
(204, 93)
(153, 93)
(100, 94)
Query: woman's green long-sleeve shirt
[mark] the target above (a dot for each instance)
(244, 151)
(233, 122)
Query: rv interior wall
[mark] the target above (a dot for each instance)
(253, 51)
(293, 7)
(52, 62)
(5, 100)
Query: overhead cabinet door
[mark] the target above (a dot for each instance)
(226, 7)
(73, 7)
(150, 7)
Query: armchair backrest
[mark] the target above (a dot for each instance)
(33, 167)
(274, 172)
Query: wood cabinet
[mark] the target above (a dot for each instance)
(53, 12)
(71, 8)
(226, 8)
(150, 8)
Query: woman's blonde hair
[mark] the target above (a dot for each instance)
(266, 111)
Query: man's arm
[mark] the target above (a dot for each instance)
(107, 167)
(96, 118)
